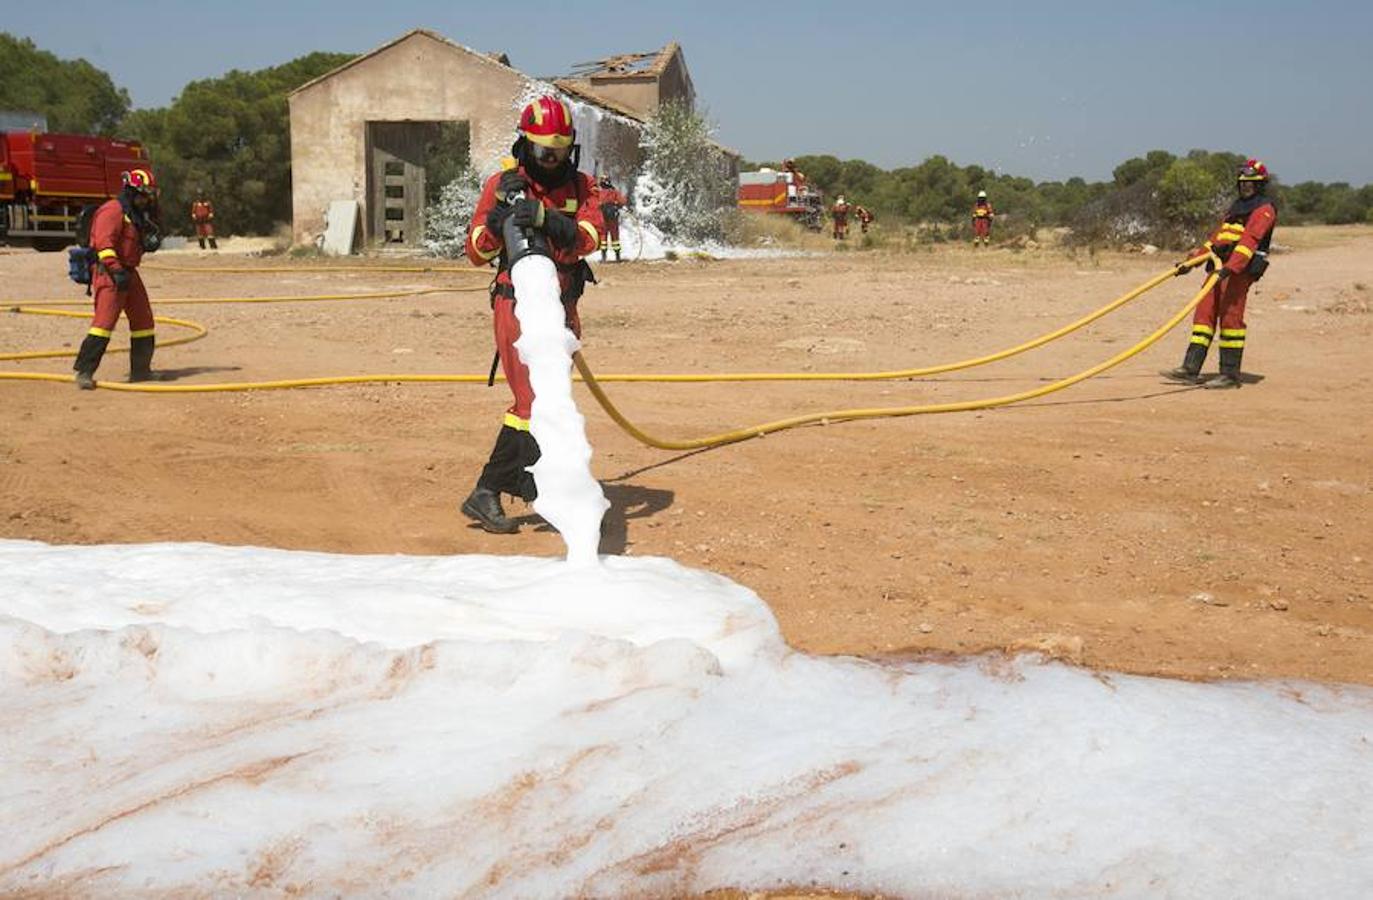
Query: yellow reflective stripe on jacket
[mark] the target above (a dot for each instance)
(484, 254)
(1240, 248)
(100, 332)
(142, 332)
(516, 422)
(107, 254)
(570, 205)
(591, 230)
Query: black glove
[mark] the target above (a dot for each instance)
(1222, 273)
(561, 229)
(1181, 268)
(496, 216)
(120, 277)
(512, 182)
(529, 213)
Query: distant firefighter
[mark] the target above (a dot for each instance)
(203, 215)
(798, 179)
(982, 219)
(1240, 242)
(864, 217)
(840, 212)
(612, 201)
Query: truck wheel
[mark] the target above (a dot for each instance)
(51, 244)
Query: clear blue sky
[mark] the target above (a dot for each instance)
(1046, 89)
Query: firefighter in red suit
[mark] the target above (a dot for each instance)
(543, 192)
(612, 201)
(1241, 244)
(840, 212)
(865, 217)
(203, 215)
(122, 230)
(982, 219)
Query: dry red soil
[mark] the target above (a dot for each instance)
(1123, 524)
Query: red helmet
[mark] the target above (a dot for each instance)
(547, 122)
(141, 180)
(1253, 170)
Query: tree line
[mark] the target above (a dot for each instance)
(1157, 198)
(230, 136)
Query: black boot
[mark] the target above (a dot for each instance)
(1190, 370)
(213, 245)
(484, 506)
(506, 472)
(141, 358)
(1229, 369)
(88, 360)
(202, 243)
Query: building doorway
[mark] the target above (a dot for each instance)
(408, 164)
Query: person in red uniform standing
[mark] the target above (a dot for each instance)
(864, 216)
(612, 201)
(982, 219)
(1241, 244)
(840, 212)
(203, 215)
(122, 230)
(546, 193)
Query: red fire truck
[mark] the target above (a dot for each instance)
(45, 179)
(770, 191)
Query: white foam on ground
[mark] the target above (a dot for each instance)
(185, 719)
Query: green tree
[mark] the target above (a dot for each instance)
(1189, 196)
(687, 186)
(73, 94)
(229, 136)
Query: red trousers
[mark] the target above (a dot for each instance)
(841, 228)
(982, 227)
(516, 372)
(204, 229)
(1224, 302)
(109, 303)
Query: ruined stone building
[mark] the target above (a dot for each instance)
(391, 127)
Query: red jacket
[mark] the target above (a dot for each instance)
(983, 211)
(1246, 229)
(114, 238)
(613, 198)
(202, 211)
(579, 197)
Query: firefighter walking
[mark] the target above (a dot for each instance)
(122, 230)
(982, 220)
(544, 192)
(612, 201)
(203, 215)
(840, 213)
(1241, 243)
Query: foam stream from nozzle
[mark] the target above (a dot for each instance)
(569, 497)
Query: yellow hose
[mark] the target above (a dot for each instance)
(200, 332)
(244, 270)
(838, 415)
(594, 383)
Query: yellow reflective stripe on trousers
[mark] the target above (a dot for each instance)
(1202, 339)
(1203, 329)
(142, 332)
(100, 332)
(1231, 345)
(516, 422)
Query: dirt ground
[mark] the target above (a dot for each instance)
(1123, 524)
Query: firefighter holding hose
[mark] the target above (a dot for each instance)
(546, 197)
(1240, 242)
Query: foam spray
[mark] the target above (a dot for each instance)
(570, 499)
